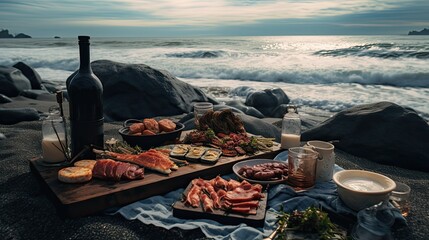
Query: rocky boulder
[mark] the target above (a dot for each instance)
(31, 74)
(139, 91)
(12, 81)
(16, 115)
(4, 99)
(383, 132)
(268, 101)
(245, 109)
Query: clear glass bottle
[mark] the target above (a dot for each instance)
(54, 144)
(86, 105)
(291, 128)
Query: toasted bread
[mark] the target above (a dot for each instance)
(74, 174)
(85, 163)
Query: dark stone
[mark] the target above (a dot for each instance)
(22, 35)
(51, 86)
(383, 132)
(16, 115)
(5, 34)
(36, 94)
(245, 109)
(267, 101)
(279, 111)
(252, 125)
(139, 91)
(4, 99)
(31, 74)
(12, 81)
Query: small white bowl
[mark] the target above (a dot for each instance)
(361, 189)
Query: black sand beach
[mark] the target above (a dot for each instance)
(27, 213)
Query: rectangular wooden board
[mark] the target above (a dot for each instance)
(180, 210)
(74, 200)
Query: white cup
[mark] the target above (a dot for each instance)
(326, 159)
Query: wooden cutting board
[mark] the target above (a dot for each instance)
(74, 200)
(181, 210)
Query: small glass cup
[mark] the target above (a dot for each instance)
(54, 144)
(302, 164)
(200, 108)
(399, 198)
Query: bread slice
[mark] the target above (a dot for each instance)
(85, 163)
(74, 174)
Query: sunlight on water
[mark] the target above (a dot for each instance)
(327, 72)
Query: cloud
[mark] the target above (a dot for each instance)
(190, 15)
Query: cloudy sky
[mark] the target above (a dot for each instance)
(157, 18)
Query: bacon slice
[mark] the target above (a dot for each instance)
(232, 184)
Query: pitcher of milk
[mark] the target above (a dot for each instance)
(326, 159)
(291, 128)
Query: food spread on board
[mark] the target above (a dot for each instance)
(228, 196)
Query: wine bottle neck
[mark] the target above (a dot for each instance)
(84, 57)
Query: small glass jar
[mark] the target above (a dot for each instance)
(291, 128)
(54, 144)
(302, 164)
(200, 108)
(400, 198)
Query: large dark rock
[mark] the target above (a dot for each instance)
(245, 109)
(16, 115)
(38, 94)
(267, 101)
(22, 35)
(31, 74)
(139, 91)
(4, 99)
(12, 81)
(383, 132)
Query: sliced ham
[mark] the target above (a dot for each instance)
(193, 197)
(114, 170)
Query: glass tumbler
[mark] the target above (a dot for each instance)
(302, 164)
(54, 148)
(399, 198)
(200, 108)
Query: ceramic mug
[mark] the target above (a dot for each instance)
(326, 159)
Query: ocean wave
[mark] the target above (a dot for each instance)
(197, 54)
(67, 64)
(379, 50)
(314, 77)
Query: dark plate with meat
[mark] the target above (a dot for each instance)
(225, 201)
(262, 171)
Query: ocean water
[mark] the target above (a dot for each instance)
(325, 72)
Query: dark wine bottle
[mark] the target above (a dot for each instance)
(85, 93)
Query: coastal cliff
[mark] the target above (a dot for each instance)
(4, 33)
(422, 32)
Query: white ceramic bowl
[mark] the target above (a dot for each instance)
(361, 189)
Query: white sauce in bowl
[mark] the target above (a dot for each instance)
(363, 185)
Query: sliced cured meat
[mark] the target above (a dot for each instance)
(151, 159)
(193, 196)
(220, 183)
(232, 184)
(251, 204)
(213, 195)
(221, 193)
(120, 170)
(99, 170)
(199, 182)
(207, 203)
(110, 169)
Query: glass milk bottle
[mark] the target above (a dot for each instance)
(54, 139)
(291, 128)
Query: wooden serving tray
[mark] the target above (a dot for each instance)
(75, 200)
(180, 210)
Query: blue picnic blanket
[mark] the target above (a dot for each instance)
(158, 210)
